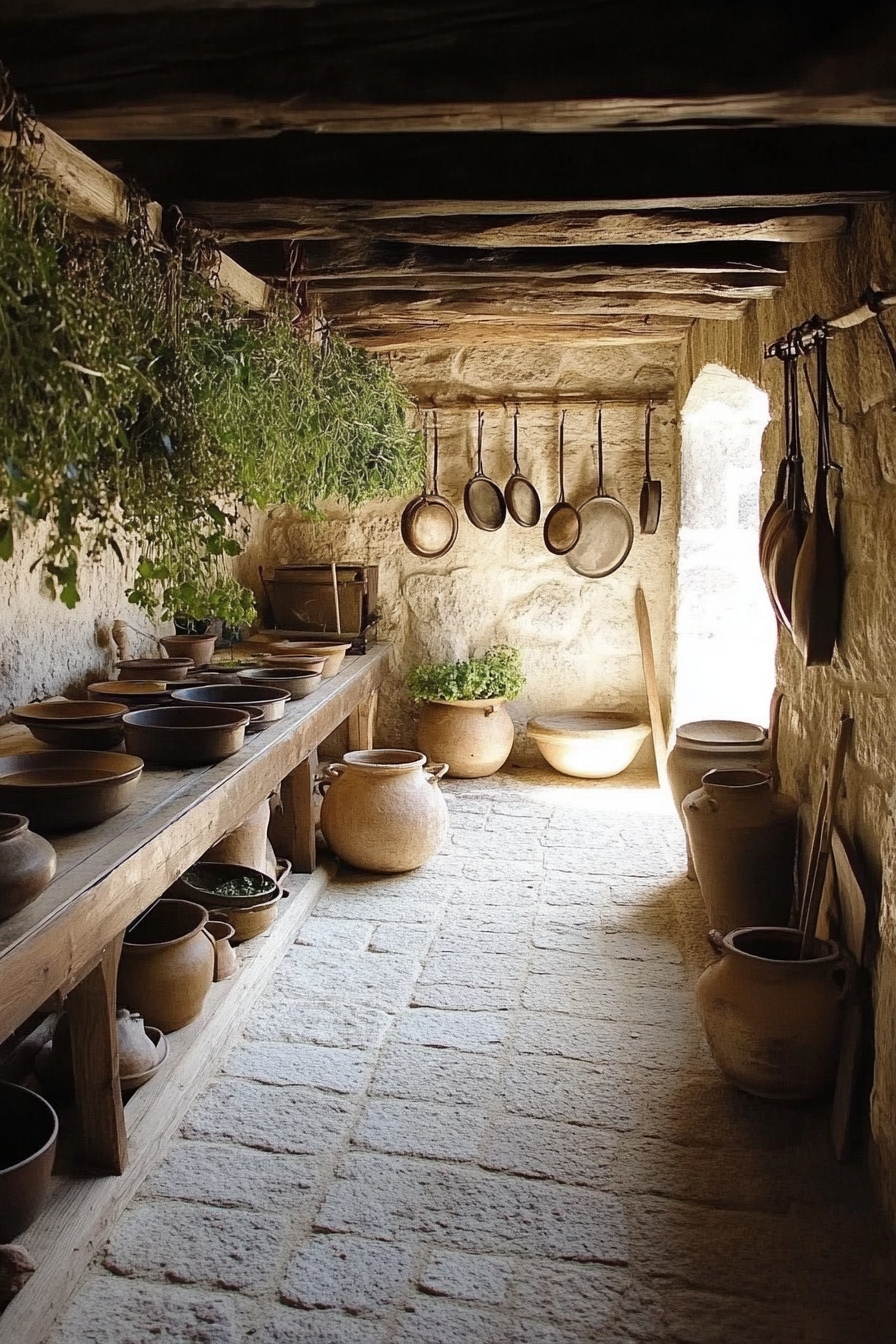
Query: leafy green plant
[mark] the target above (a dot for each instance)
(140, 407)
(496, 675)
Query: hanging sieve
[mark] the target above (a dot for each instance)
(429, 522)
(607, 528)
(563, 524)
(483, 500)
(520, 495)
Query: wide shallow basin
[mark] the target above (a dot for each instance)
(588, 744)
(185, 734)
(68, 790)
(297, 680)
(270, 700)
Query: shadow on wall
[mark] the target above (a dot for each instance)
(726, 632)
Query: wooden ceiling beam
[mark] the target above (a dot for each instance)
(575, 332)
(643, 281)
(502, 302)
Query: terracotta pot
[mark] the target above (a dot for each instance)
(249, 921)
(226, 963)
(27, 864)
(473, 737)
(198, 647)
(713, 744)
(383, 809)
(136, 1052)
(774, 1022)
(743, 841)
(167, 964)
(246, 844)
(28, 1130)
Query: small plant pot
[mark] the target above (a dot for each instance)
(473, 737)
(198, 647)
(28, 1131)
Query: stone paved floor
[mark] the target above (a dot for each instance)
(476, 1107)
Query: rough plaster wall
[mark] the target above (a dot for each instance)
(827, 278)
(578, 637)
(46, 649)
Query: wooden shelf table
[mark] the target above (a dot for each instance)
(67, 942)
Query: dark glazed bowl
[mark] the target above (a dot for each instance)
(28, 1130)
(271, 700)
(186, 734)
(68, 790)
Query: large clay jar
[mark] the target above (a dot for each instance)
(473, 737)
(743, 842)
(383, 809)
(246, 844)
(167, 964)
(713, 744)
(774, 1022)
(27, 864)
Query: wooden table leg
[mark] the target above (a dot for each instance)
(293, 831)
(91, 1013)
(360, 724)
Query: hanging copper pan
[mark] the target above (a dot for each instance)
(563, 525)
(429, 522)
(651, 490)
(607, 528)
(483, 500)
(520, 495)
(818, 577)
(785, 533)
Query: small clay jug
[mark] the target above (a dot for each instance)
(226, 963)
(136, 1052)
(743, 842)
(712, 744)
(167, 964)
(773, 1022)
(27, 864)
(383, 809)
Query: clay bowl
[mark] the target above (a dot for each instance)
(296, 680)
(28, 1130)
(131, 1081)
(70, 725)
(248, 921)
(132, 693)
(270, 700)
(185, 734)
(332, 652)
(198, 647)
(589, 745)
(161, 669)
(308, 664)
(68, 790)
(203, 883)
(257, 721)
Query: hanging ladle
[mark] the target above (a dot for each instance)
(483, 499)
(520, 495)
(563, 524)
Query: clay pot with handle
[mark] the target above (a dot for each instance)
(743, 842)
(167, 964)
(27, 864)
(473, 737)
(713, 744)
(774, 1022)
(383, 810)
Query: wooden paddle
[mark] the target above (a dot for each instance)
(653, 690)
(815, 876)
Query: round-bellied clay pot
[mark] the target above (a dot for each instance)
(383, 809)
(713, 744)
(167, 964)
(27, 864)
(473, 737)
(28, 1130)
(743, 842)
(774, 1022)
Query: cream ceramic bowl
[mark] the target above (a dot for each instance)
(589, 745)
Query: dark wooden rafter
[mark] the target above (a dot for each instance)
(394, 335)
(109, 68)
(508, 301)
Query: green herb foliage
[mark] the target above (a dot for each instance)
(497, 675)
(142, 413)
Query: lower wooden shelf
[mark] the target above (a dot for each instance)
(81, 1210)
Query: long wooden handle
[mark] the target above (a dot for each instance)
(835, 779)
(653, 691)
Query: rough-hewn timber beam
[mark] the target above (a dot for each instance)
(266, 68)
(643, 281)
(502, 302)
(568, 332)
(101, 200)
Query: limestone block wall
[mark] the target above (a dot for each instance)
(578, 637)
(828, 278)
(46, 649)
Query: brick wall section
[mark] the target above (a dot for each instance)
(828, 279)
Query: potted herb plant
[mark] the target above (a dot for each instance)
(463, 719)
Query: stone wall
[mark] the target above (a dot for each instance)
(46, 649)
(578, 636)
(828, 279)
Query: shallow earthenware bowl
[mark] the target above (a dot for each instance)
(298, 681)
(68, 790)
(332, 652)
(589, 745)
(161, 669)
(185, 734)
(73, 725)
(271, 701)
(135, 694)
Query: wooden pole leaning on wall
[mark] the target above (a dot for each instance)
(653, 692)
(101, 200)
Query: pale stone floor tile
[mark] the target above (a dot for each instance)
(475, 1107)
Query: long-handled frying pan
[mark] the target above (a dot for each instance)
(651, 490)
(607, 528)
(429, 522)
(520, 495)
(483, 499)
(563, 524)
